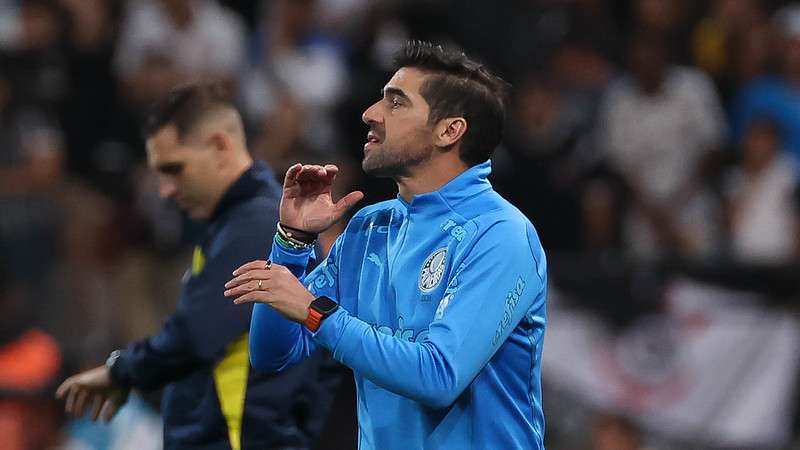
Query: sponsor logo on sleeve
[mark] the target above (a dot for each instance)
(512, 299)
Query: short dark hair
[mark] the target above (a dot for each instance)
(185, 106)
(460, 87)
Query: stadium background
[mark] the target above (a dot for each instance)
(652, 142)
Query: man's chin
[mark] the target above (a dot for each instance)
(376, 169)
(196, 214)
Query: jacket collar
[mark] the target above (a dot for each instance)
(249, 182)
(468, 184)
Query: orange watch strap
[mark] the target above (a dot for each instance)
(313, 320)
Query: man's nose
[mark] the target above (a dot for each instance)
(167, 188)
(371, 115)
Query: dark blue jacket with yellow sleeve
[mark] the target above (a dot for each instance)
(213, 399)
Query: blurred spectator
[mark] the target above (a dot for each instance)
(343, 17)
(668, 19)
(731, 43)
(82, 288)
(514, 37)
(659, 126)
(105, 155)
(32, 58)
(297, 77)
(165, 42)
(593, 24)
(610, 432)
(31, 153)
(763, 217)
(30, 364)
(550, 153)
(540, 177)
(776, 97)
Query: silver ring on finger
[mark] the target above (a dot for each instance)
(259, 284)
(268, 265)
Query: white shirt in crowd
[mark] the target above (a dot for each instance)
(213, 44)
(764, 226)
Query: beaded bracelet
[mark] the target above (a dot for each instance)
(286, 240)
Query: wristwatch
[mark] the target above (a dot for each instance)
(112, 359)
(318, 310)
(118, 378)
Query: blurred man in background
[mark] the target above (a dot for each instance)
(212, 398)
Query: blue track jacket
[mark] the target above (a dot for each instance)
(442, 317)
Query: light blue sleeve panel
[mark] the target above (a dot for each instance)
(275, 342)
(497, 283)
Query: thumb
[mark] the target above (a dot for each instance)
(347, 202)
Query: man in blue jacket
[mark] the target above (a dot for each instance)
(436, 299)
(212, 398)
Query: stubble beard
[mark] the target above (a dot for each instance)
(395, 163)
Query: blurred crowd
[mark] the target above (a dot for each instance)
(647, 140)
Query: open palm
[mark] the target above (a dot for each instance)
(307, 203)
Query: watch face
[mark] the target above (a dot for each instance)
(324, 305)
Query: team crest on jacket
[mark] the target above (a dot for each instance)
(432, 270)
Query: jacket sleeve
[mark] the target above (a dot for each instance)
(206, 322)
(275, 342)
(498, 284)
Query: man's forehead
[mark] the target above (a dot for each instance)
(406, 79)
(164, 145)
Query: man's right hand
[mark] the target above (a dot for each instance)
(92, 390)
(307, 204)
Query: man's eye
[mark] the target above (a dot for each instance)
(395, 103)
(171, 169)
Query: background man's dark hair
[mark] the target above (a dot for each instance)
(185, 106)
(460, 87)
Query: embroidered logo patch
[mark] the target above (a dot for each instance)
(432, 270)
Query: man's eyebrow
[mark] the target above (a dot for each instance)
(390, 90)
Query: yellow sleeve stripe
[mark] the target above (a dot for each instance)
(230, 378)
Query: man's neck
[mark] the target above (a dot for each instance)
(233, 174)
(430, 177)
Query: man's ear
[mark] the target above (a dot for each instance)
(449, 131)
(219, 141)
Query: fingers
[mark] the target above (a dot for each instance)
(69, 405)
(315, 173)
(255, 274)
(330, 173)
(110, 409)
(97, 406)
(253, 297)
(347, 202)
(81, 401)
(291, 175)
(252, 265)
(250, 286)
(64, 388)
(310, 172)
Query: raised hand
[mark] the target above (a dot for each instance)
(307, 203)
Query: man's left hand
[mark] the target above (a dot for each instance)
(93, 391)
(272, 284)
